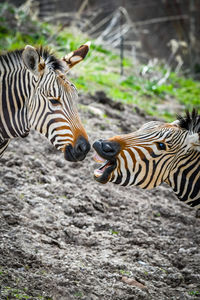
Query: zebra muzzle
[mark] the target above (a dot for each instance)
(77, 152)
(106, 153)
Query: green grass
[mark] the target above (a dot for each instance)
(186, 90)
(124, 272)
(101, 69)
(194, 293)
(113, 232)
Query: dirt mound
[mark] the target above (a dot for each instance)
(63, 236)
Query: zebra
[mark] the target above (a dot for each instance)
(35, 93)
(157, 152)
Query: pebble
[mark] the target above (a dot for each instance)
(2, 190)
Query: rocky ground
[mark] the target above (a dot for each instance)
(63, 236)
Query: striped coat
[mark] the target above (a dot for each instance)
(158, 152)
(35, 93)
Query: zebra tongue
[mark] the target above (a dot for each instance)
(100, 171)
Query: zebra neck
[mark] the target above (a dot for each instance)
(15, 90)
(185, 180)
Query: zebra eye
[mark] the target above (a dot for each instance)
(54, 101)
(161, 146)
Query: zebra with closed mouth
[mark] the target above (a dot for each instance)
(35, 93)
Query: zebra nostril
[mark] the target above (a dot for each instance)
(79, 151)
(107, 148)
(110, 149)
(81, 148)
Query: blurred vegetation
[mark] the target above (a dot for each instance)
(101, 69)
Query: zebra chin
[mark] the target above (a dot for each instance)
(104, 173)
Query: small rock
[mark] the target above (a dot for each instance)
(2, 190)
(60, 163)
(10, 179)
(37, 163)
(44, 194)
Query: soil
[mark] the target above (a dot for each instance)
(63, 236)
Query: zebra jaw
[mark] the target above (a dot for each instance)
(102, 174)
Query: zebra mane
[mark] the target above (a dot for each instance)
(191, 121)
(50, 59)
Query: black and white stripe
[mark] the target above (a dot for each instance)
(35, 93)
(158, 152)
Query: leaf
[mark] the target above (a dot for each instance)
(133, 282)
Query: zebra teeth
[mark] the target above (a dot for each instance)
(102, 174)
(100, 171)
(105, 165)
(98, 158)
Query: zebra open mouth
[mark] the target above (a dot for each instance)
(102, 174)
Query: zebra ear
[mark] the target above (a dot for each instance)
(31, 59)
(75, 57)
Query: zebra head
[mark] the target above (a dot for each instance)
(51, 104)
(157, 152)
